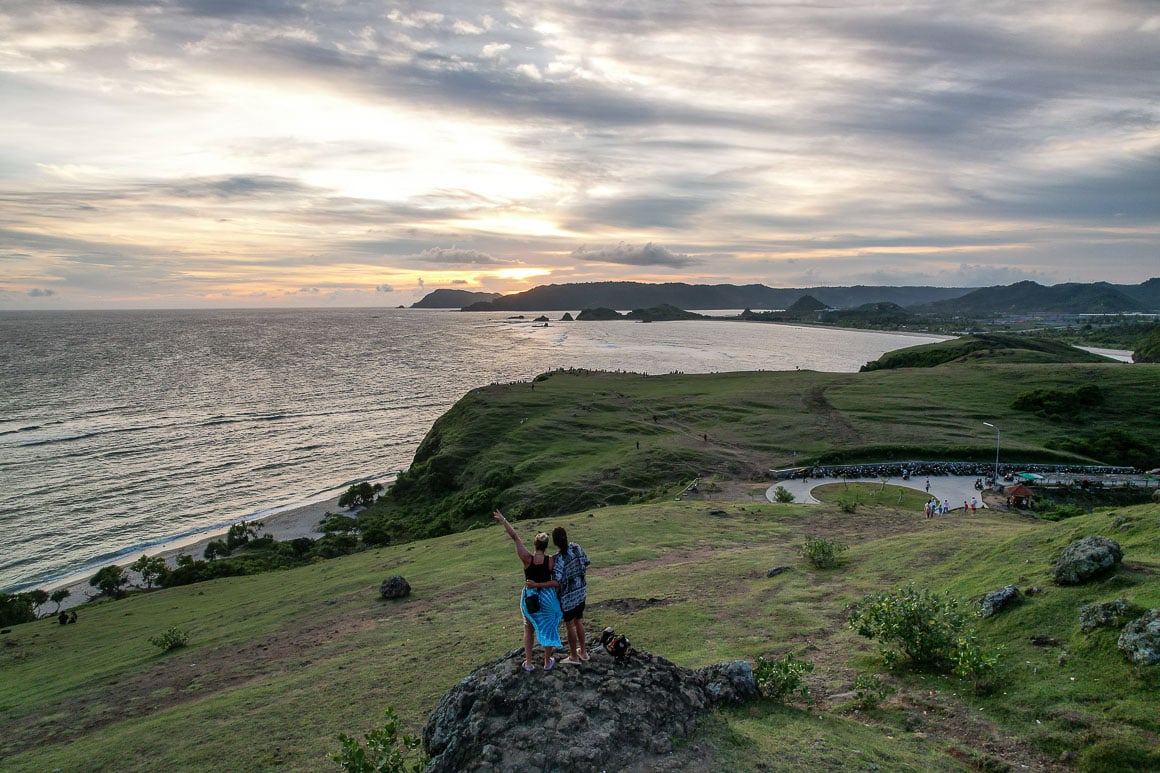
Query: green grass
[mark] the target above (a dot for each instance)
(279, 664)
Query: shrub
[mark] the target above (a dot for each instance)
(385, 752)
(780, 679)
(923, 626)
(171, 639)
(821, 552)
(783, 495)
(870, 690)
(848, 504)
(975, 662)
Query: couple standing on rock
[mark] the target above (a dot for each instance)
(555, 586)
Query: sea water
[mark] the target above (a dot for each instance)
(120, 430)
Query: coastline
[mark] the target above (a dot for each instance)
(283, 525)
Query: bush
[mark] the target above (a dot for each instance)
(171, 639)
(821, 552)
(923, 626)
(975, 662)
(783, 495)
(780, 679)
(385, 751)
(870, 690)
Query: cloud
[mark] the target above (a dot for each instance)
(455, 256)
(38, 292)
(384, 289)
(647, 255)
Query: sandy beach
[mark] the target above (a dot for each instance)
(302, 521)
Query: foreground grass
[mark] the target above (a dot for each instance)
(279, 664)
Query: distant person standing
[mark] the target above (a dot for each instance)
(571, 567)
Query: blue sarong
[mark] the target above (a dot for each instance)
(547, 620)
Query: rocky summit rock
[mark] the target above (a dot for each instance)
(605, 714)
(998, 600)
(395, 588)
(1106, 614)
(1086, 559)
(1140, 639)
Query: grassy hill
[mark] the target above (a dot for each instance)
(279, 664)
(575, 440)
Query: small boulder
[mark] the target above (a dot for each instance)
(1140, 639)
(1086, 559)
(1106, 614)
(395, 588)
(998, 600)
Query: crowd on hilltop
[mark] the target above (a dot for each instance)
(905, 470)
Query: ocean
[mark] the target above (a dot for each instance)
(122, 430)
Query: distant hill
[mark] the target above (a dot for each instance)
(662, 313)
(991, 347)
(638, 295)
(1031, 297)
(452, 299)
(1146, 293)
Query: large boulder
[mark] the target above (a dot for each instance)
(1140, 639)
(1086, 559)
(606, 714)
(395, 587)
(998, 600)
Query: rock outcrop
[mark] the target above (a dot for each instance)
(605, 714)
(998, 600)
(1086, 559)
(1140, 639)
(1106, 614)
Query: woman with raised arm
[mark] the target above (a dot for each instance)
(542, 623)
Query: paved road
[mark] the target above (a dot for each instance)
(954, 488)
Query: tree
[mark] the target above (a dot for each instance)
(59, 595)
(215, 549)
(111, 581)
(16, 608)
(359, 495)
(38, 596)
(241, 534)
(151, 569)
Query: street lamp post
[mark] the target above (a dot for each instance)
(997, 434)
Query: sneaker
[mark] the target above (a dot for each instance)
(572, 661)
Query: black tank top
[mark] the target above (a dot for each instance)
(538, 572)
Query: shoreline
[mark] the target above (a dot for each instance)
(283, 525)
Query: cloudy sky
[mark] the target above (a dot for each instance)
(320, 152)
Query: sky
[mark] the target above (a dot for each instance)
(209, 153)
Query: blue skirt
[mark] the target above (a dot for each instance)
(547, 620)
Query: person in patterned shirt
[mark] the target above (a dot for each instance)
(571, 565)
